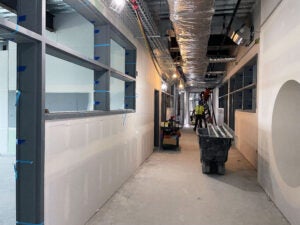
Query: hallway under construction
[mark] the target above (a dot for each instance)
(169, 188)
(97, 96)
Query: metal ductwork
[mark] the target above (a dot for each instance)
(191, 20)
(222, 60)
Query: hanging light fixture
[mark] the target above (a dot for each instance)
(117, 5)
(180, 86)
(164, 86)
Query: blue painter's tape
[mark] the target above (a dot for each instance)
(127, 73)
(127, 53)
(16, 171)
(22, 18)
(23, 223)
(97, 103)
(18, 95)
(97, 82)
(97, 31)
(127, 85)
(20, 141)
(101, 91)
(93, 22)
(96, 57)
(102, 45)
(21, 162)
(21, 68)
(24, 162)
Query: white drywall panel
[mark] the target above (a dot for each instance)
(86, 162)
(279, 63)
(267, 6)
(246, 135)
(3, 102)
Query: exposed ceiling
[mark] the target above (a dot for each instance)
(229, 16)
(216, 50)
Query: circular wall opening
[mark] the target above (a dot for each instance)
(286, 132)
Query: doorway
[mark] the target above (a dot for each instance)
(156, 118)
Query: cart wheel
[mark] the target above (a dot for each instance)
(205, 167)
(221, 168)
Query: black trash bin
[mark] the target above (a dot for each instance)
(214, 143)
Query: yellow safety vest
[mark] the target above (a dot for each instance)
(199, 110)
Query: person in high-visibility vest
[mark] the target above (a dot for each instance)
(200, 115)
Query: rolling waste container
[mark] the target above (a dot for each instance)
(214, 142)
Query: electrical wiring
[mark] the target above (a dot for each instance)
(135, 7)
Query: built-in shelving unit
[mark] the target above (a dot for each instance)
(239, 92)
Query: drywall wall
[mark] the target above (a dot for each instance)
(267, 7)
(278, 86)
(246, 135)
(88, 159)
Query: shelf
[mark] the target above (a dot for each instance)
(84, 114)
(19, 34)
(121, 76)
(65, 53)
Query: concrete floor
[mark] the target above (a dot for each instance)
(7, 191)
(170, 189)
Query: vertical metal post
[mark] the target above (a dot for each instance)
(102, 44)
(30, 129)
(130, 63)
(30, 14)
(101, 91)
(102, 79)
(30, 117)
(130, 97)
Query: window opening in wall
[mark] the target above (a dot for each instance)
(8, 98)
(90, 66)
(242, 92)
(67, 27)
(69, 87)
(117, 94)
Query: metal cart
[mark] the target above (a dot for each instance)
(170, 135)
(214, 142)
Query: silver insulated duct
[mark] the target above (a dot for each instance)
(191, 20)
